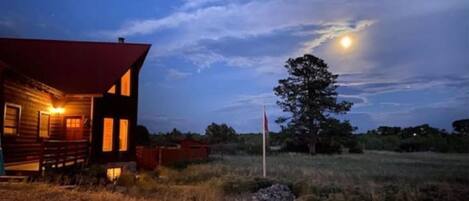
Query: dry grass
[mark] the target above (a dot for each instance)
(42, 192)
(380, 176)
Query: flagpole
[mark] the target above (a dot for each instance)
(263, 144)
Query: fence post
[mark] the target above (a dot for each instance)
(160, 156)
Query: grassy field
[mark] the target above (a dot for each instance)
(371, 176)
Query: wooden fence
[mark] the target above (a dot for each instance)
(152, 157)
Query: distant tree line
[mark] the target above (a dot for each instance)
(335, 137)
(418, 138)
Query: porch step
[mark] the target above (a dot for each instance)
(21, 173)
(9, 179)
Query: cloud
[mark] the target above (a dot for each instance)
(174, 74)
(250, 103)
(357, 101)
(264, 65)
(208, 52)
(195, 4)
(330, 31)
(378, 85)
(235, 19)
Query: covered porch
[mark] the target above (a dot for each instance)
(54, 154)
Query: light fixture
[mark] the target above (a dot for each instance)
(56, 110)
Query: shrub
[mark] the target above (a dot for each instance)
(147, 181)
(329, 146)
(356, 149)
(126, 179)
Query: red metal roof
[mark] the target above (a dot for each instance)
(75, 67)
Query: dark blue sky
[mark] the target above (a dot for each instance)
(217, 61)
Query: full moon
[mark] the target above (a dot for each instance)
(346, 42)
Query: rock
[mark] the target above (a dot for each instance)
(276, 192)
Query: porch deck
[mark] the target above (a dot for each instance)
(23, 166)
(55, 154)
(35, 165)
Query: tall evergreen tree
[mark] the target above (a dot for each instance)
(309, 95)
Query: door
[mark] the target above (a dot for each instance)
(73, 128)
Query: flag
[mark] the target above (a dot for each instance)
(266, 129)
(266, 123)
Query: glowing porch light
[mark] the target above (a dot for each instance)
(56, 110)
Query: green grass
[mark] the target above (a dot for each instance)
(375, 175)
(373, 166)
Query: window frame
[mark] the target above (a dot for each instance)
(112, 135)
(112, 90)
(127, 135)
(80, 123)
(39, 124)
(7, 104)
(129, 71)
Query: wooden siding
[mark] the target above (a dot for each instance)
(2, 102)
(32, 98)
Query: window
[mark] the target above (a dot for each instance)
(123, 134)
(125, 84)
(11, 119)
(73, 128)
(108, 125)
(112, 90)
(44, 124)
(113, 173)
(73, 122)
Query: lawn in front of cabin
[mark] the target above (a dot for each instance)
(375, 175)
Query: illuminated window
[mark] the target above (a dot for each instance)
(11, 119)
(108, 125)
(113, 173)
(123, 133)
(44, 124)
(125, 84)
(73, 122)
(112, 90)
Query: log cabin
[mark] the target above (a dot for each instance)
(68, 102)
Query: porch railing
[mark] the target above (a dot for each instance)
(62, 153)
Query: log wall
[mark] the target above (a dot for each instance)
(20, 91)
(35, 97)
